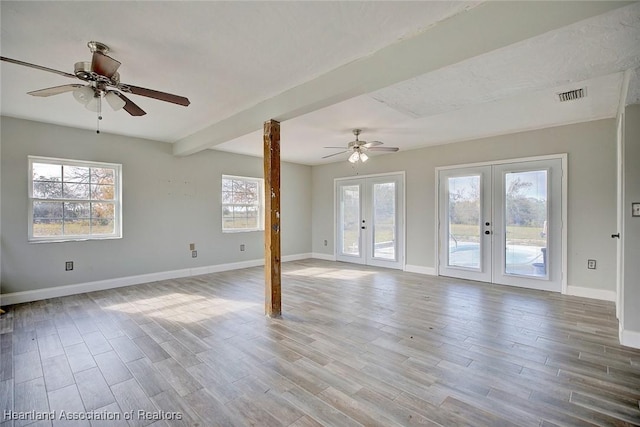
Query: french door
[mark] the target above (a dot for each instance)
(502, 223)
(369, 214)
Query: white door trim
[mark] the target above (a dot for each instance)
(402, 246)
(565, 174)
(483, 272)
(620, 192)
(502, 162)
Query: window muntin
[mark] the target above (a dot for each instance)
(73, 200)
(242, 204)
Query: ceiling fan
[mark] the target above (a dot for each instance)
(357, 148)
(103, 81)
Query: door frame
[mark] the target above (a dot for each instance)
(564, 196)
(402, 246)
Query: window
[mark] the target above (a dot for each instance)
(73, 200)
(242, 203)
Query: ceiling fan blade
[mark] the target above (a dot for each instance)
(129, 106)
(55, 90)
(335, 154)
(162, 96)
(335, 147)
(37, 67)
(372, 144)
(104, 65)
(388, 149)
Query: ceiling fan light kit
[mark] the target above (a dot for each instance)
(115, 102)
(101, 74)
(94, 104)
(83, 94)
(358, 148)
(358, 156)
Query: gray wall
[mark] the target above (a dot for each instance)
(631, 238)
(591, 149)
(159, 219)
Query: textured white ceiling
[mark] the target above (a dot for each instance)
(223, 56)
(595, 47)
(507, 90)
(230, 56)
(539, 109)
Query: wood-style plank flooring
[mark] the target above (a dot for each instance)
(356, 346)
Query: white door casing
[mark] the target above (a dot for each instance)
(503, 222)
(370, 220)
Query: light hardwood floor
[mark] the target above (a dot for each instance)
(356, 346)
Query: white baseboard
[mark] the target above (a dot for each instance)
(101, 285)
(326, 257)
(420, 270)
(296, 257)
(600, 294)
(630, 338)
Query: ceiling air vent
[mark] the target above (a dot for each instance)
(572, 95)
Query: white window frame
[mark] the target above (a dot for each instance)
(260, 203)
(117, 234)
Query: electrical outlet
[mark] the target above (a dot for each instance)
(68, 266)
(194, 254)
(325, 243)
(192, 246)
(591, 264)
(241, 248)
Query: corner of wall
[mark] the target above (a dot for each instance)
(630, 338)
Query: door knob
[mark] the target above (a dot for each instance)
(615, 236)
(487, 232)
(363, 227)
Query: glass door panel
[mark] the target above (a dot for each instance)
(464, 221)
(526, 216)
(350, 220)
(384, 220)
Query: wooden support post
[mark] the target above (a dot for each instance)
(272, 219)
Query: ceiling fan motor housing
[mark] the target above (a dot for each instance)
(82, 70)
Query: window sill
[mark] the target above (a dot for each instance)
(72, 239)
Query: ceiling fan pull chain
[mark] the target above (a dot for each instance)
(99, 114)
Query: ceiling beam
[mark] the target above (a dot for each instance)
(485, 28)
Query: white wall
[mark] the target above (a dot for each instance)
(1, 235)
(591, 149)
(631, 234)
(160, 218)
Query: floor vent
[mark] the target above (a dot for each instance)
(572, 95)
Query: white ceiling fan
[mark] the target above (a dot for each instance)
(102, 81)
(358, 148)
